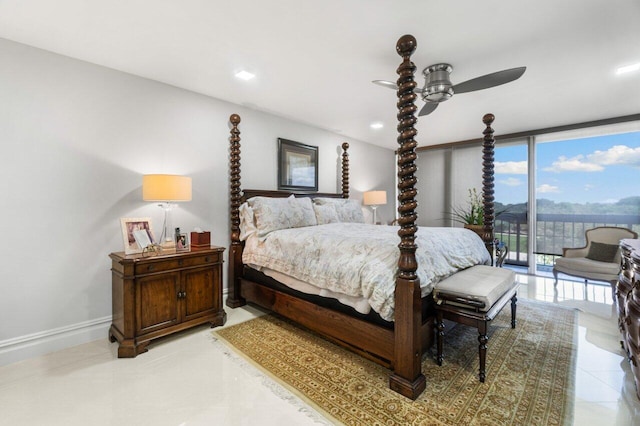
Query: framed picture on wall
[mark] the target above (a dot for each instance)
(136, 232)
(297, 166)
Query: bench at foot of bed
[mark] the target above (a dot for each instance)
(474, 297)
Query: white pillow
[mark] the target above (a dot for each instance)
(325, 213)
(272, 214)
(247, 222)
(347, 210)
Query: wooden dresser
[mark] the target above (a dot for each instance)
(628, 300)
(159, 295)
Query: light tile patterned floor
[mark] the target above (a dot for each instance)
(184, 380)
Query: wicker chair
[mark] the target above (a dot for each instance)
(598, 260)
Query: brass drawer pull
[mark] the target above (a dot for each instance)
(151, 267)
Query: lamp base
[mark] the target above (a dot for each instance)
(167, 241)
(374, 208)
(168, 245)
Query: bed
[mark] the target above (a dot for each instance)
(400, 333)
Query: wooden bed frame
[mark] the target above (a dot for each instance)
(400, 347)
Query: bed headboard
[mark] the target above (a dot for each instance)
(249, 193)
(237, 196)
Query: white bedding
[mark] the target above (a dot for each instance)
(360, 261)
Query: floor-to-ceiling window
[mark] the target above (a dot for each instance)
(550, 188)
(511, 194)
(582, 183)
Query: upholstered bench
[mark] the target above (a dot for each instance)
(474, 297)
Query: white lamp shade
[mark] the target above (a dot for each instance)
(375, 198)
(166, 188)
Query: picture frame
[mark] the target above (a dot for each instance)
(129, 226)
(182, 242)
(297, 166)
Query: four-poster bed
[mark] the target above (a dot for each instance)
(397, 344)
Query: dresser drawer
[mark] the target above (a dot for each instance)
(167, 264)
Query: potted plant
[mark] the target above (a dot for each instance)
(472, 214)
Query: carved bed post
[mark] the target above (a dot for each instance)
(407, 378)
(345, 170)
(235, 250)
(488, 184)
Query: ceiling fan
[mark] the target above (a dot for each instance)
(438, 87)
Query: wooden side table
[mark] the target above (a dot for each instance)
(154, 296)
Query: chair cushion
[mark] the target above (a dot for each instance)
(587, 268)
(602, 252)
(482, 283)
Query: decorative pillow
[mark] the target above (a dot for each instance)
(347, 210)
(272, 214)
(247, 222)
(602, 252)
(325, 213)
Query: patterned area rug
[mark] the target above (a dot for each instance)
(530, 372)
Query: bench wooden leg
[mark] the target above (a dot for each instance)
(440, 336)
(514, 299)
(482, 348)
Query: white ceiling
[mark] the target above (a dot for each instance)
(315, 60)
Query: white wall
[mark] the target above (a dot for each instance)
(444, 178)
(75, 140)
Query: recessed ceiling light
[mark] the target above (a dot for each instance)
(245, 75)
(628, 68)
(377, 125)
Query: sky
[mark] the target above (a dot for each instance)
(601, 169)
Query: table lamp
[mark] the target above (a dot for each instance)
(375, 199)
(167, 189)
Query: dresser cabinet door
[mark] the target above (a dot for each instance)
(200, 295)
(157, 302)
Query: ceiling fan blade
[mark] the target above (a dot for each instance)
(385, 83)
(428, 108)
(392, 85)
(489, 80)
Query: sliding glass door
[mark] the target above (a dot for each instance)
(549, 187)
(553, 187)
(583, 183)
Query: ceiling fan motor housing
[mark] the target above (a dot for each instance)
(438, 87)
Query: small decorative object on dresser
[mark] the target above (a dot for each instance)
(200, 240)
(159, 295)
(130, 227)
(182, 244)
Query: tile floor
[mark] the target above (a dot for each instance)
(189, 379)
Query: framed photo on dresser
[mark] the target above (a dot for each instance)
(133, 234)
(182, 243)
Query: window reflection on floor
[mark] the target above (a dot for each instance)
(604, 389)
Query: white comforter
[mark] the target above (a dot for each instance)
(360, 260)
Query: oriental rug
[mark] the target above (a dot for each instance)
(530, 372)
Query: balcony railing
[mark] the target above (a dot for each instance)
(553, 232)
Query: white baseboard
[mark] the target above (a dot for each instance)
(31, 345)
(44, 342)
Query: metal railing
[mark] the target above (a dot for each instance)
(553, 232)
